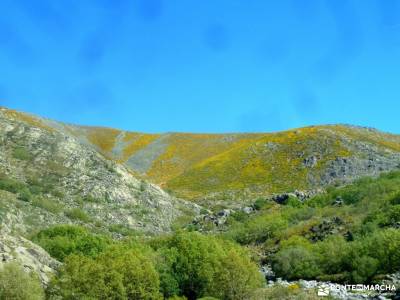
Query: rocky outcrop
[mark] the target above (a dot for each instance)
(299, 195)
(30, 256)
(326, 228)
(72, 176)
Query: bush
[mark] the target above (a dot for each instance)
(123, 230)
(47, 204)
(25, 195)
(258, 229)
(364, 268)
(118, 273)
(77, 214)
(195, 265)
(18, 285)
(63, 240)
(16, 187)
(259, 203)
(21, 154)
(296, 263)
(333, 254)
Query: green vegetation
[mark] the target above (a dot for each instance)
(346, 235)
(118, 273)
(77, 214)
(19, 285)
(185, 265)
(34, 190)
(123, 230)
(17, 187)
(63, 240)
(195, 265)
(47, 204)
(22, 154)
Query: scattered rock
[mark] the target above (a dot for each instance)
(248, 210)
(327, 227)
(310, 162)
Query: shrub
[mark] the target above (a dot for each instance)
(258, 229)
(77, 214)
(296, 263)
(118, 273)
(395, 199)
(364, 268)
(25, 195)
(16, 187)
(62, 240)
(123, 230)
(47, 204)
(333, 254)
(259, 203)
(21, 154)
(18, 285)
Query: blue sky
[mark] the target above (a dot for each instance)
(203, 66)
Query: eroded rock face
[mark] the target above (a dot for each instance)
(29, 255)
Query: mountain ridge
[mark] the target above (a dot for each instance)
(200, 166)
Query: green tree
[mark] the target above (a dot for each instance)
(238, 276)
(296, 263)
(118, 273)
(195, 265)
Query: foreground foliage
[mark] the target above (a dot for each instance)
(16, 284)
(195, 265)
(117, 273)
(186, 264)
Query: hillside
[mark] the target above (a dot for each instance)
(48, 176)
(226, 166)
(239, 166)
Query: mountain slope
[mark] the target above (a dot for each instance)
(48, 176)
(239, 166)
(197, 166)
